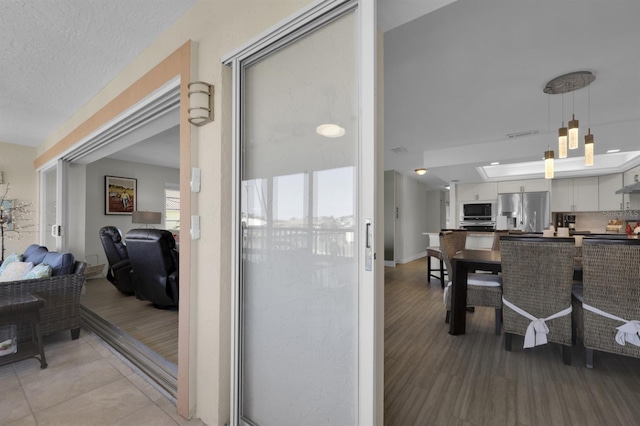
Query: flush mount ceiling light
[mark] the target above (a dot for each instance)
(564, 84)
(330, 130)
(421, 171)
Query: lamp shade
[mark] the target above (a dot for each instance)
(148, 218)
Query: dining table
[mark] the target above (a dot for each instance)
(470, 260)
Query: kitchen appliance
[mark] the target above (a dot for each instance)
(526, 211)
(478, 217)
(570, 221)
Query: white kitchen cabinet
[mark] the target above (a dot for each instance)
(529, 185)
(562, 195)
(631, 201)
(487, 191)
(575, 195)
(607, 197)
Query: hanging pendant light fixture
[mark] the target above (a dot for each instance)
(548, 164)
(588, 149)
(574, 125)
(568, 136)
(562, 134)
(588, 138)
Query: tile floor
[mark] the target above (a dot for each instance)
(84, 384)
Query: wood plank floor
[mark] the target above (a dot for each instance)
(432, 378)
(155, 328)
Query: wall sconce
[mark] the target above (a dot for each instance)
(147, 218)
(200, 103)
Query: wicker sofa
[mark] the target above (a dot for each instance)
(61, 291)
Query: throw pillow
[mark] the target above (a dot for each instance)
(15, 271)
(41, 270)
(13, 257)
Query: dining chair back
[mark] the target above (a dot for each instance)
(537, 275)
(611, 297)
(483, 290)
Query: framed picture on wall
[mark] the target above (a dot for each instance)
(121, 194)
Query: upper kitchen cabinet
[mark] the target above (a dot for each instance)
(477, 191)
(574, 195)
(607, 197)
(529, 185)
(631, 201)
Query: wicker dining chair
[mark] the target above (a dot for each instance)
(610, 297)
(537, 276)
(482, 289)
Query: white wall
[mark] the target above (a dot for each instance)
(434, 219)
(389, 215)
(413, 216)
(151, 184)
(16, 164)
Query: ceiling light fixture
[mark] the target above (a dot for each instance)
(421, 171)
(548, 164)
(564, 84)
(495, 163)
(612, 151)
(330, 130)
(588, 138)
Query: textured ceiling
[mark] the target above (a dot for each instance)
(57, 54)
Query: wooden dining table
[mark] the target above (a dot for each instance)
(464, 262)
(470, 261)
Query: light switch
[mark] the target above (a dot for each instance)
(195, 179)
(195, 228)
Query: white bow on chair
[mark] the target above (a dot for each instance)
(628, 333)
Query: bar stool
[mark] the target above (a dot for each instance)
(437, 253)
(24, 309)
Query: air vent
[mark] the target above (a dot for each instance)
(399, 150)
(521, 134)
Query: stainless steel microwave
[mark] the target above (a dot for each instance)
(477, 211)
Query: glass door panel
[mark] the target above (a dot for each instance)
(299, 286)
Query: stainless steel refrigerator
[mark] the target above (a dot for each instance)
(526, 211)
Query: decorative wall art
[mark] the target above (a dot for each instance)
(121, 195)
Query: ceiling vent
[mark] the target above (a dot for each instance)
(399, 150)
(521, 134)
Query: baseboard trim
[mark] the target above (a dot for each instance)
(390, 263)
(162, 372)
(412, 258)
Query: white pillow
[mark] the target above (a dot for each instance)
(15, 271)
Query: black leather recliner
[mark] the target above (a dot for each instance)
(154, 260)
(119, 272)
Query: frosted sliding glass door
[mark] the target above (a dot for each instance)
(299, 286)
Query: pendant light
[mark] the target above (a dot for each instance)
(588, 138)
(562, 135)
(588, 149)
(568, 136)
(548, 164)
(573, 132)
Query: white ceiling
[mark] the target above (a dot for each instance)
(457, 80)
(461, 78)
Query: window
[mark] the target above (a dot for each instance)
(172, 208)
